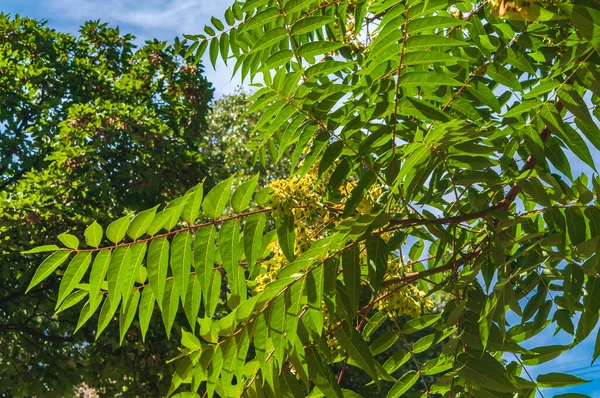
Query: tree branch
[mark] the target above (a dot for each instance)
(33, 332)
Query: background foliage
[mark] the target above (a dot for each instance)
(93, 128)
(430, 144)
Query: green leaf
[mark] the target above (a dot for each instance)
(271, 38)
(575, 225)
(192, 301)
(397, 359)
(166, 218)
(138, 253)
(209, 31)
(47, 267)
(243, 194)
(596, 353)
(424, 42)
(403, 384)
(523, 108)
(294, 310)
(427, 79)
(224, 47)
(314, 294)
(158, 265)
(93, 234)
(213, 51)
(431, 23)
(140, 223)
(217, 199)
(264, 195)
(284, 224)
(554, 380)
(253, 231)
(276, 322)
(89, 308)
(146, 310)
(310, 24)
(587, 22)
(69, 240)
(170, 305)
(107, 313)
(384, 342)
(276, 60)
(577, 145)
(42, 249)
(120, 268)
(499, 73)
(590, 130)
(213, 292)
(356, 196)
(261, 18)
(217, 23)
(178, 205)
(541, 89)
(181, 261)
(75, 271)
(424, 343)
(377, 256)
(128, 313)
(314, 48)
(98, 273)
(71, 300)
(353, 343)
(117, 229)
(556, 155)
(540, 355)
(189, 340)
(428, 57)
(486, 318)
(351, 274)
(204, 257)
(321, 375)
(484, 95)
(416, 324)
(485, 371)
(326, 68)
(230, 250)
(181, 374)
(437, 365)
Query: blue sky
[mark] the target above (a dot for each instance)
(147, 19)
(165, 19)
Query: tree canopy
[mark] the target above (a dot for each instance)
(91, 128)
(432, 162)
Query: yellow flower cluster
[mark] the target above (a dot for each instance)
(404, 301)
(521, 8)
(408, 300)
(301, 197)
(296, 193)
(329, 324)
(270, 268)
(367, 203)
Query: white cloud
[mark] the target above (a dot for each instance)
(164, 16)
(161, 19)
